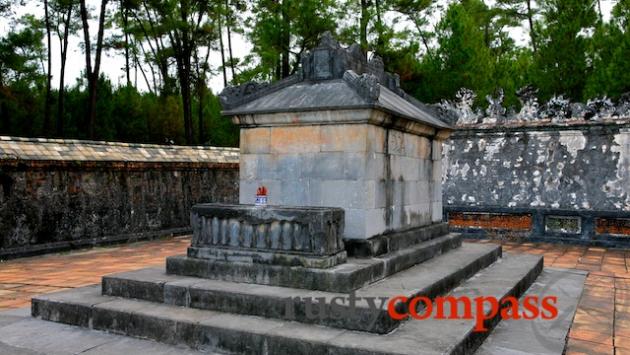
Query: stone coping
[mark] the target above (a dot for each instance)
(65, 150)
(543, 124)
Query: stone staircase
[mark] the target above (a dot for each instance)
(254, 308)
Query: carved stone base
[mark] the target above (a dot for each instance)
(287, 236)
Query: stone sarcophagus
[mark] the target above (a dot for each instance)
(341, 133)
(291, 236)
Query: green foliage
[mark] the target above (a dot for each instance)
(167, 46)
(561, 63)
(285, 28)
(21, 52)
(124, 115)
(609, 53)
(466, 55)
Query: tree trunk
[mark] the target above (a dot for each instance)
(532, 31)
(201, 93)
(184, 64)
(222, 49)
(93, 73)
(48, 99)
(125, 16)
(379, 26)
(186, 102)
(62, 75)
(228, 24)
(286, 40)
(363, 26)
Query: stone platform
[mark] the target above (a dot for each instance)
(251, 318)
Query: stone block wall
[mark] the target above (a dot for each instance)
(60, 194)
(384, 179)
(555, 182)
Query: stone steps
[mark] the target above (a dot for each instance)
(539, 336)
(345, 278)
(431, 278)
(206, 329)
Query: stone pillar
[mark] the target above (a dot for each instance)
(384, 171)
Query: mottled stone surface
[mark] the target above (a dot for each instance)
(384, 179)
(575, 168)
(292, 236)
(570, 182)
(49, 205)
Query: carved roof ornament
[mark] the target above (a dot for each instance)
(623, 106)
(558, 109)
(366, 85)
(331, 76)
(601, 108)
(495, 111)
(465, 98)
(528, 96)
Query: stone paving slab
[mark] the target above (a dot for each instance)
(20, 334)
(539, 336)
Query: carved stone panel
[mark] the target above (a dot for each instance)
(296, 236)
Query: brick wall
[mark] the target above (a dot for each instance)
(59, 194)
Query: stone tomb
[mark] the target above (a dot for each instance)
(342, 133)
(353, 139)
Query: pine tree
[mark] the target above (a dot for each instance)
(561, 63)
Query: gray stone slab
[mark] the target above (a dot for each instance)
(346, 277)
(394, 241)
(12, 350)
(543, 337)
(50, 338)
(30, 336)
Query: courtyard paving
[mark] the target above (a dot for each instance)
(601, 324)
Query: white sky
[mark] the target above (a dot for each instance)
(113, 62)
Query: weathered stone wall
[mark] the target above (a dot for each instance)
(384, 179)
(61, 194)
(567, 181)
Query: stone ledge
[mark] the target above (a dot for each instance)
(271, 258)
(345, 277)
(394, 241)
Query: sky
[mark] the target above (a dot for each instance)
(113, 62)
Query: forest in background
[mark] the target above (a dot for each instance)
(437, 47)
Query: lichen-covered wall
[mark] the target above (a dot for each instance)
(48, 205)
(571, 167)
(566, 181)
